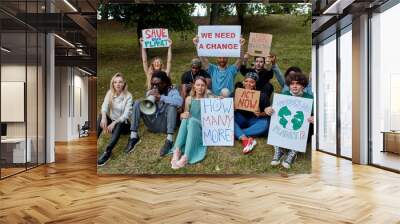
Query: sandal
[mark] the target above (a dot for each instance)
(175, 158)
(182, 162)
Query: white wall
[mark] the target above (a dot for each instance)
(71, 102)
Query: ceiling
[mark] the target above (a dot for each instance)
(72, 20)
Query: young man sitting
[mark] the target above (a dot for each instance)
(167, 99)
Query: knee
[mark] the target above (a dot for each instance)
(136, 104)
(171, 109)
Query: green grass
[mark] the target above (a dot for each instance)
(118, 52)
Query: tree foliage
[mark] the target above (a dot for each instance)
(262, 9)
(176, 17)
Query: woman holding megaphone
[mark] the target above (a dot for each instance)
(115, 112)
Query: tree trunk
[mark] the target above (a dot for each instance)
(104, 13)
(139, 28)
(214, 14)
(241, 11)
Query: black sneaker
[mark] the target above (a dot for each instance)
(104, 158)
(278, 153)
(166, 147)
(287, 163)
(132, 143)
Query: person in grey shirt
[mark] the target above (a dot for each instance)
(115, 112)
(167, 100)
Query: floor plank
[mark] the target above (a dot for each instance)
(70, 191)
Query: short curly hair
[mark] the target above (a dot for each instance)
(299, 77)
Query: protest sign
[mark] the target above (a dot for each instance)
(259, 44)
(217, 121)
(289, 125)
(153, 38)
(219, 41)
(246, 99)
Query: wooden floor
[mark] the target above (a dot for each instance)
(387, 159)
(70, 191)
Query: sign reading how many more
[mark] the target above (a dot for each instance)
(246, 99)
(219, 41)
(217, 121)
(153, 38)
(289, 125)
(259, 44)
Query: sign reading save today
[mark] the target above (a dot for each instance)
(153, 38)
(289, 125)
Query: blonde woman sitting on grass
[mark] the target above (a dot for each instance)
(188, 146)
(115, 112)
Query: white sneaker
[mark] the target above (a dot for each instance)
(250, 145)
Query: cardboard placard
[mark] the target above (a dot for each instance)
(289, 125)
(259, 44)
(154, 38)
(219, 41)
(217, 121)
(246, 99)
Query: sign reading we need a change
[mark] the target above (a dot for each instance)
(153, 38)
(219, 41)
(289, 125)
(217, 121)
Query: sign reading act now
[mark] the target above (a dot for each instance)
(246, 99)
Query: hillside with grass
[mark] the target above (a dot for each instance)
(118, 51)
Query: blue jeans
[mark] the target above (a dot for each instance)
(256, 126)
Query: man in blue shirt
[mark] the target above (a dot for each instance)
(222, 74)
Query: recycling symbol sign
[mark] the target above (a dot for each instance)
(290, 120)
(288, 125)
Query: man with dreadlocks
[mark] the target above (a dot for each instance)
(167, 100)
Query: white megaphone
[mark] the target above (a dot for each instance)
(148, 105)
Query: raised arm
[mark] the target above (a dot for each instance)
(144, 57)
(275, 68)
(238, 62)
(278, 74)
(243, 68)
(204, 60)
(145, 65)
(169, 58)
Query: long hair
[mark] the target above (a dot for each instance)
(112, 90)
(193, 92)
(151, 66)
